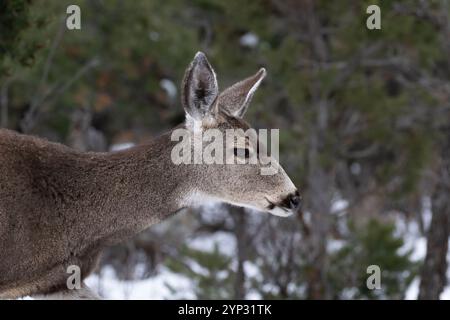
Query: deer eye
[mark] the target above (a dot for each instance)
(242, 152)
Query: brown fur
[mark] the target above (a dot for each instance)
(59, 207)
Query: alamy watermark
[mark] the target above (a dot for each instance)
(373, 282)
(73, 20)
(232, 146)
(74, 280)
(374, 20)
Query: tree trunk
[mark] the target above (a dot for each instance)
(317, 240)
(4, 104)
(240, 223)
(433, 274)
(319, 180)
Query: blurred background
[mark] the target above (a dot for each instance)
(364, 118)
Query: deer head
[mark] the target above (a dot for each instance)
(237, 180)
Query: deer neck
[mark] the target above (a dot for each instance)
(127, 191)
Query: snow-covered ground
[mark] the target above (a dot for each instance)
(165, 285)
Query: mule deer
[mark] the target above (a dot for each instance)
(61, 207)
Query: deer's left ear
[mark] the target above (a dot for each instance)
(199, 90)
(236, 99)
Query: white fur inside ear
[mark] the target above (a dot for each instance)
(254, 87)
(215, 79)
(193, 124)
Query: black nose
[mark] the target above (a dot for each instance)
(295, 201)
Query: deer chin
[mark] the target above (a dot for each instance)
(274, 210)
(280, 212)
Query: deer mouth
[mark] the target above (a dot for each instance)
(277, 209)
(286, 207)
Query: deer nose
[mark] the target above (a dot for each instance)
(295, 201)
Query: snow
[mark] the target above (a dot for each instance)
(253, 295)
(334, 245)
(166, 284)
(339, 205)
(154, 288)
(225, 242)
(121, 146)
(252, 271)
(426, 213)
(169, 87)
(413, 240)
(249, 40)
(413, 291)
(445, 295)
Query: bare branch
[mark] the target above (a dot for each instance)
(37, 99)
(29, 120)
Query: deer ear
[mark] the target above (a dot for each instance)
(199, 90)
(236, 99)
